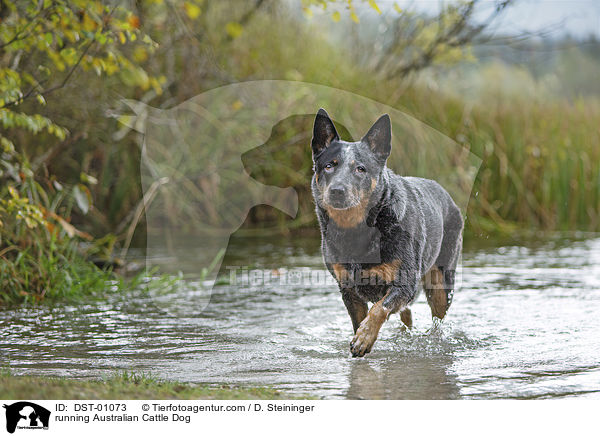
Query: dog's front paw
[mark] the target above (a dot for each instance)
(363, 340)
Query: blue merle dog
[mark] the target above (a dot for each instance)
(382, 234)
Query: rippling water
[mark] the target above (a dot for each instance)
(525, 324)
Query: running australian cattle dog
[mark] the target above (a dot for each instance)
(382, 234)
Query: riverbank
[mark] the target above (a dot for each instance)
(124, 386)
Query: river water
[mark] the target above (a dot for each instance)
(524, 324)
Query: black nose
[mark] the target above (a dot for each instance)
(337, 192)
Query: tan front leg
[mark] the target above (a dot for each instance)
(367, 332)
(406, 317)
(436, 294)
(357, 309)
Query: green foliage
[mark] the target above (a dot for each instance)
(42, 44)
(39, 254)
(61, 36)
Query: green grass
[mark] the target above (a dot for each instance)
(124, 386)
(26, 281)
(64, 275)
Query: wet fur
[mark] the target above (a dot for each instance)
(386, 234)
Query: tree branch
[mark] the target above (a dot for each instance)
(32, 91)
(458, 34)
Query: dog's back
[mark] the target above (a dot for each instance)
(427, 212)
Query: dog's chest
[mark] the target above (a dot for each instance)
(358, 245)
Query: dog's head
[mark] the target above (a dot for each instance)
(347, 173)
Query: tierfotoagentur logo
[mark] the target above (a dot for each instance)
(25, 415)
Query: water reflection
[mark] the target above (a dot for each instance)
(410, 378)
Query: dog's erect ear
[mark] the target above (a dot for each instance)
(323, 132)
(379, 137)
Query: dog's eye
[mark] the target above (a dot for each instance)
(329, 166)
(361, 169)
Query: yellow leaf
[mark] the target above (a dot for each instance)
(374, 6)
(397, 8)
(134, 21)
(13, 192)
(68, 228)
(193, 11)
(122, 38)
(233, 29)
(354, 17)
(336, 16)
(31, 224)
(88, 24)
(237, 105)
(308, 12)
(140, 54)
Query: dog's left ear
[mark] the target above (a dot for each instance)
(379, 137)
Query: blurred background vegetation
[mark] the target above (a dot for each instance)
(70, 191)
